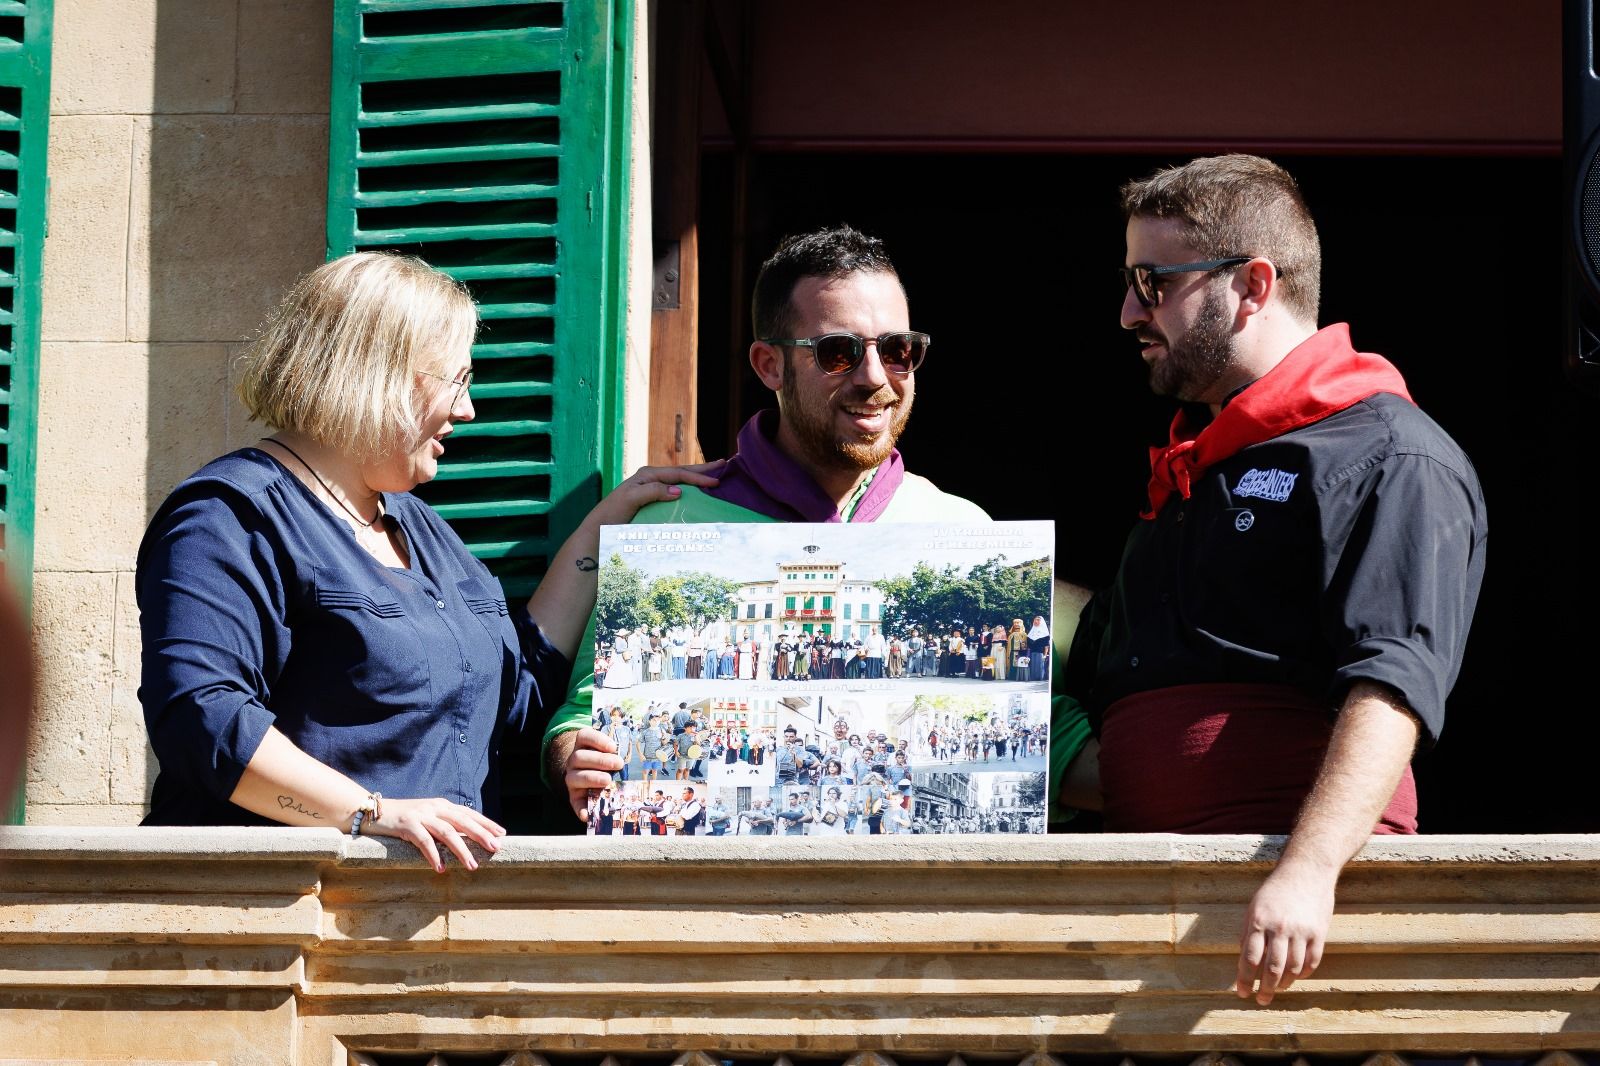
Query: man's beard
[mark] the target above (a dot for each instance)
(813, 430)
(1197, 359)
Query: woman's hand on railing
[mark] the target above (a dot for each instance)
(427, 823)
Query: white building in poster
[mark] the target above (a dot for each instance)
(812, 596)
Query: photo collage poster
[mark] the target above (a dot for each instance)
(824, 679)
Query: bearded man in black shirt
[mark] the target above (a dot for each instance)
(1291, 612)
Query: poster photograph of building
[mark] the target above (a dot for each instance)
(929, 607)
(822, 680)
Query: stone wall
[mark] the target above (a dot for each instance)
(188, 170)
(283, 946)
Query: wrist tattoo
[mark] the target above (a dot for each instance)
(289, 803)
(587, 564)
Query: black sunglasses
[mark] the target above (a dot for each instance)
(1142, 277)
(841, 353)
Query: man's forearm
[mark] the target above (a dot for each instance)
(1286, 923)
(1371, 746)
(557, 751)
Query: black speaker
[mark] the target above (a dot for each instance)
(1580, 106)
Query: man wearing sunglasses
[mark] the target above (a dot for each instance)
(1292, 609)
(835, 345)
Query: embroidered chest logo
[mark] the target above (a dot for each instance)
(1274, 484)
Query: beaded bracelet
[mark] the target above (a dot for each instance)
(373, 806)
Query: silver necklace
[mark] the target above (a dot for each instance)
(312, 470)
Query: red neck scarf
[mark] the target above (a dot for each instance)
(1322, 376)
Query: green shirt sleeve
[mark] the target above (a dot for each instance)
(578, 708)
(1069, 732)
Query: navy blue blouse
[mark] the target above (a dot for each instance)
(258, 608)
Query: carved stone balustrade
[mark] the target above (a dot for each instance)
(301, 947)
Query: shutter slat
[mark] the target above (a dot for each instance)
(510, 390)
(378, 238)
(493, 470)
(523, 310)
(504, 549)
(417, 5)
(491, 508)
(461, 57)
(449, 196)
(494, 271)
(373, 120)
(511, 350)
(459, 154)
(500, 429)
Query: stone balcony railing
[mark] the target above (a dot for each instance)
(303, 947)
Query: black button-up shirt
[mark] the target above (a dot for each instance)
(1349, 549)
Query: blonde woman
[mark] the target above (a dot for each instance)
(320, 649)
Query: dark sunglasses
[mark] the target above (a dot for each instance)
(1142, 277)
(841, 353)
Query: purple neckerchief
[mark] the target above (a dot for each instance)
(761, 478)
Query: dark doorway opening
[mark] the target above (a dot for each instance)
(1034, 404)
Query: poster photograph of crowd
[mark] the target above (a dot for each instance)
(797, 680)
(926, 803)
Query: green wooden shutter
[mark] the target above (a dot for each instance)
(24, 117)
(489, 137)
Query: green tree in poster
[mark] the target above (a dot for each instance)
(1030, 791)
(991, 592)
(998, 593)
(625, 600)
(620, 602)
(666, 600)
(689, 599)
(706, 596)
(926, 599)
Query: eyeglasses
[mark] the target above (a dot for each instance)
(1142, 277)
(841, 353)
(462, 384)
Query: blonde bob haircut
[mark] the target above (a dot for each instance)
(337, 360)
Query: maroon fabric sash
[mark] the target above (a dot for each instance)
(1322, 375)
(1221, 758)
